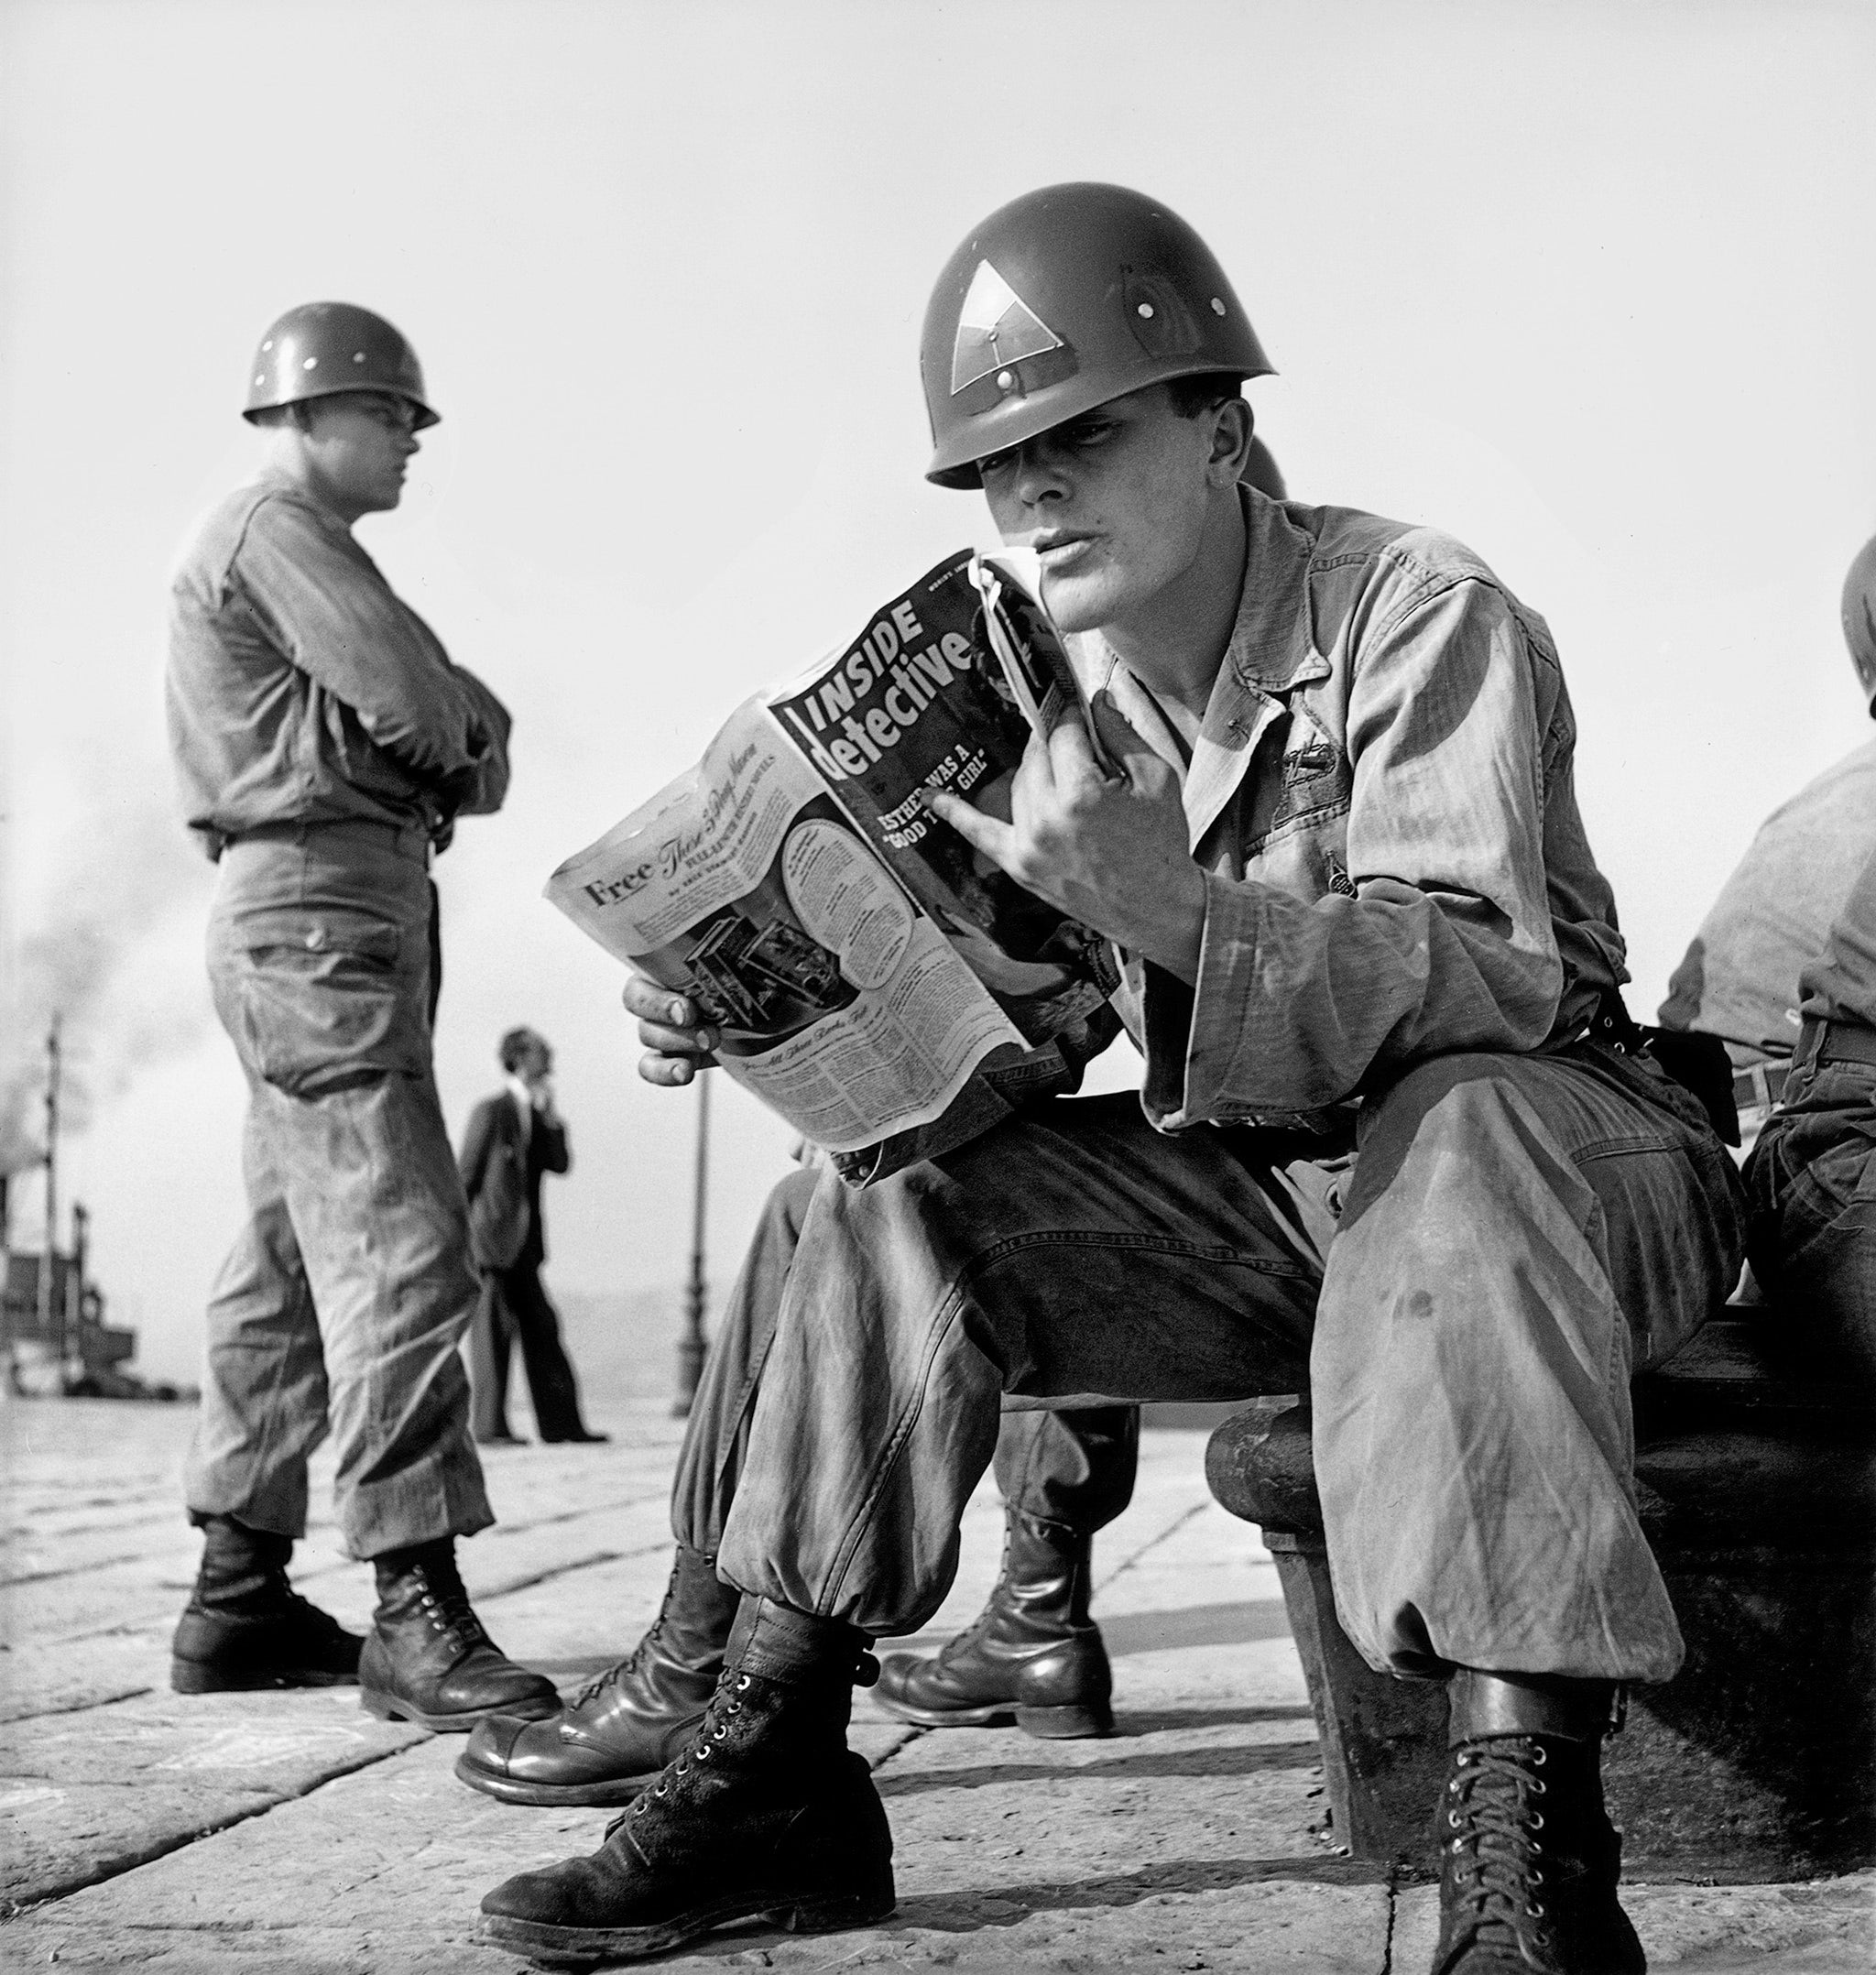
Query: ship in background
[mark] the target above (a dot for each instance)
(54, 1341)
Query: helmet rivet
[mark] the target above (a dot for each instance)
(1006, 380)
(1217, 306)
(268, 344)
(312, 363)
(260, 376)
(358, 356)
(1146, 307)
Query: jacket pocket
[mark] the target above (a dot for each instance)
(319, 998)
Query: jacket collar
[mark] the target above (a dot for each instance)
(1272, 652)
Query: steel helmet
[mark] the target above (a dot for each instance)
(322, 348)
(1059, 301)
(1859, 618)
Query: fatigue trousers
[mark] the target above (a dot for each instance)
(1467, 1301)
(1811, 1180)
(342, 1305)
(1075, 1466)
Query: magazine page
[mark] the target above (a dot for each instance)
(840, 1002)
(923, 700)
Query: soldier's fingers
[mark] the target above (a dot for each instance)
(650, 1002)
(981, 832)
(671, 1072)
(669, 1042)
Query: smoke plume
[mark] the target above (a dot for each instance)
(92, 954)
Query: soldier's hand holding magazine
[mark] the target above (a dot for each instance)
(1109, 850)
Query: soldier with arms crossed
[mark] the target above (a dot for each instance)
(1378, 1149)
(325, 744)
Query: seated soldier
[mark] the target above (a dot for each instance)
(1378, 1149)
(1739, 978)
(1033, 1657)
(1812, 1176)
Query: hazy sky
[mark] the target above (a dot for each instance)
(1589, 286)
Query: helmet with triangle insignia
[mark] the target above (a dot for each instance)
(1059, 301)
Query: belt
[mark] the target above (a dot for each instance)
(1835, 1042)
(405, 839)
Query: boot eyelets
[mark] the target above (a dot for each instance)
(1536, 1911)
(1537, 1820)
(1453, 1819)
(1539, 1756)
(1540, 1788)
(744, 1684)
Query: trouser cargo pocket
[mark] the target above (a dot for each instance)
(316, 998)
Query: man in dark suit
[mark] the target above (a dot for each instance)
(513, 1138)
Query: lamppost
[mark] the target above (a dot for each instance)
(690, 1345)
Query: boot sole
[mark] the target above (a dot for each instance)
(612, 1794)
(393, 1708)
(191, 1677)
(551, 1946)
(1070, 1723)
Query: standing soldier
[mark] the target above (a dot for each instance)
(325, 745)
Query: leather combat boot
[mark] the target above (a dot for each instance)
(245, 1627)
(427, 1658)
(631, 1721)
(766, 1814)
(1032, 1656)
(1529, 1859)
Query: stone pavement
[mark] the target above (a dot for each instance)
(295, 1833)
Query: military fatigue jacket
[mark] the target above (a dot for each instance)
(1382, 802)
(302, 689)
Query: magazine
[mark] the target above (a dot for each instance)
(857, 958)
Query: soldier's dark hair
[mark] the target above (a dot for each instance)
(516, 1045)
(1192, 396)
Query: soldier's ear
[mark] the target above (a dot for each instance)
(1231, 435)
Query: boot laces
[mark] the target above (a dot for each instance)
(447, 1608)
(1494, 1828)
(726, 1704)
(621, 1669)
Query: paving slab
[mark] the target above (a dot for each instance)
(293, 1833)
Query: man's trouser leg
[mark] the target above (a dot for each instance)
(1071, 1251)
(551, 1382)
(1076, 1251)
(1076, 1467)
(1521, 1233)
(320, 961)
(717, 1439)
(488, 1352)
(264, 1378)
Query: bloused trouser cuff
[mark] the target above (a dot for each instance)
(1522, 1229)
(1073, 1467)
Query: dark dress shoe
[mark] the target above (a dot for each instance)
(428, 1659)
(1033, 1657)
(245, 1628)
(767, 1815)
(580, 1434)
(631, 1721)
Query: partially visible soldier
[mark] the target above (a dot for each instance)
(1740, 977)
(1811, 1180)
(325, 745)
